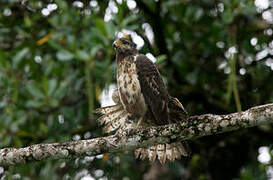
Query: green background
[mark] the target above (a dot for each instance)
(56, 58)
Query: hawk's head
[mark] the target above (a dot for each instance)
(124, 46)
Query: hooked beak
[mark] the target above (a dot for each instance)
(117, 44)
(114, 45)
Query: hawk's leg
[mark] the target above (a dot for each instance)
(132, 118)
(136, 119)
(140, 121)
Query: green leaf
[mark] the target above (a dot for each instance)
(45, 84)
(98, 37)
(110, 29)
(54, 44)
(160, 59)
(43, 128)
(52, 86)
(82, 55)
(35, 91)
(53, 102)
(27, 21)
(228, 16)
(3, 57)
(19, 56)
(100, 24)
(198, 14)
(192, 77)
(34, 104)
(64, 55)
(130, 19)
(95, 49)
(62, 4)
(62, 90)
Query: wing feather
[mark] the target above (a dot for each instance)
(108, 109)
(153, 89)
(106, 118)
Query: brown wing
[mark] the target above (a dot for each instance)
(153, 89)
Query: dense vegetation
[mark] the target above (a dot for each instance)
(56, 58)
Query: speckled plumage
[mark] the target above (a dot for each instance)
(129, 88)
(153, 89)
(142, 101)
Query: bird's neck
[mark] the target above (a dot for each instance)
(123, 56)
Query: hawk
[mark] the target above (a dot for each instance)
(142, 100)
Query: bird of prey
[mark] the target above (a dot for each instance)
(142, 100)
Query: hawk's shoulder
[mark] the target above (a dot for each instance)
(153, 88)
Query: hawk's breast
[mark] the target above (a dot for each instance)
(129, 88)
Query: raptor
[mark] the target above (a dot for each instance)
(142, 100)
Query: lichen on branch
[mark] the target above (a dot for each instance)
(192, 128)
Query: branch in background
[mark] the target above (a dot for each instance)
(194, 127)
(146, 41)
(145, 8)
(89, 89)
(233, 30)
(155, 21)
(234, 83)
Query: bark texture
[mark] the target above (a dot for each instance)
(194, 127)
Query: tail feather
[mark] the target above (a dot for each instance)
(152, 153)
(141, 153)
(126, 125)
(144, 153)
(182, 149)
(138, 152)
(169, 152)
(108, 109)
(177, 111)
(163, 152)
(114, 124)
(107, 118)
(115, 118)
(176, 152)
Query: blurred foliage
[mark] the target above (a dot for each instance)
(56, 58)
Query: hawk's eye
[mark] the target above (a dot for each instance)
(124, 41)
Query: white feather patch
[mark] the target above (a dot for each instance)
(144, 153)
(161, 153)
(169, 152)
(152, 153)
(137, 152)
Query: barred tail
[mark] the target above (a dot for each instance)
(163, 152)
(108, 109)
(113, 117)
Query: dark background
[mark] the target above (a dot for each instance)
(56, 58)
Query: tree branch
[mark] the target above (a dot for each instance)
(194, 127)
(155, 21)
